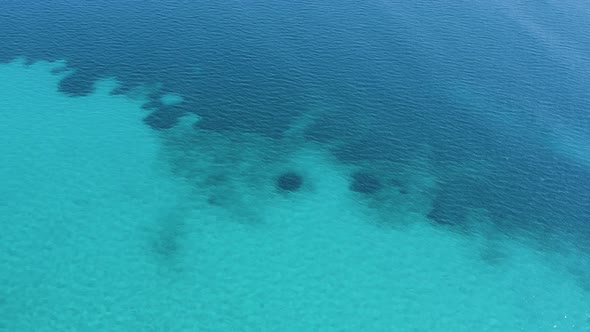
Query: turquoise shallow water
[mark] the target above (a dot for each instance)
(108, 225)
(265, 165)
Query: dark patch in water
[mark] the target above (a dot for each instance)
(163, 118)
(169, 233)
(166, 245)
(289, 181)
(79, 83)
(365, 183)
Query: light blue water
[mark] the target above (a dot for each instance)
(436, 160)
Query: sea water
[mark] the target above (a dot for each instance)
(260, 165)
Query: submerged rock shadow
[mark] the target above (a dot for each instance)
(168, 235)
(232, 171)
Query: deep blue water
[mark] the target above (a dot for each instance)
(484, 83)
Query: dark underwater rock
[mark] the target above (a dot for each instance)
(164, 117)
(365, 183)
(159, 120)
(289, 181)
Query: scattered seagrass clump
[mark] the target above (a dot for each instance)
(365, 183)
(289, 181)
